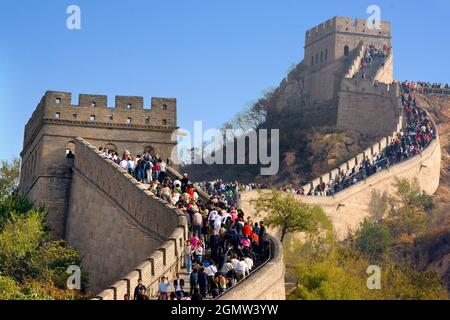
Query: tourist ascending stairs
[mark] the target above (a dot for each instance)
(224, 246)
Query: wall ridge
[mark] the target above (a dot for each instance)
(142, 254)
(133, 221)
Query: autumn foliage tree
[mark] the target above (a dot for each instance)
(290, 215)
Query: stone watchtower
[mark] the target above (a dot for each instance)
(49, 135)
(329, 49)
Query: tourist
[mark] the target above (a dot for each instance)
(193, 281)
(241, 269)
(163, 291)
(178, 284)
(188, 257)
(138, 288)
(142, 295)
(203, 282)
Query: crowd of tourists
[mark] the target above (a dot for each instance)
(423, 86)
(409, 142)
(372, 60)
(144, 168)
(415, 137)
(220, 187)
(224, 246)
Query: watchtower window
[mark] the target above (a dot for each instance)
(129, 106)
(74, 115)
(164, 122)
(93, 104)
(164, 107)
(346, 51)
(110, 117)
(58, 115)
(92, 118)
(58, 100)
(147, 120)
(321, 56)
(129, 120)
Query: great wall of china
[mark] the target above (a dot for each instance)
(124, 232)
(102, 215)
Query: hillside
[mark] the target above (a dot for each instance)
(309, 146)
(434, 249)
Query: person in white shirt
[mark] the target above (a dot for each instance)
(124, 164)
(211, 270)
(227, 267)
(149, 171)
(249, 263)
(234, 261)
(199, 253)
(162, 166)
(241, 269)
(218, 224)
(225, 215)
(212, 216)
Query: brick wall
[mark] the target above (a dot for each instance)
(123, 231)
(368, 107)
(56, 123)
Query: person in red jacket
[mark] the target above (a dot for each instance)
(247, 230)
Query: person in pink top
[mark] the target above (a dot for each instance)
(195, 241)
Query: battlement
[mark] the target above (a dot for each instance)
(92, 110)
(346, 25)
(361, 86)
(130, 103)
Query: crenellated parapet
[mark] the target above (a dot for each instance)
(93, 110)
(346, 25)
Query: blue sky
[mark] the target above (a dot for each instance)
(213, 56)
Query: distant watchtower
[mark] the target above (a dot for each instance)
(49, 135)
(330, 46)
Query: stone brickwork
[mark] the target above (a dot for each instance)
(54, 125)
(126, 233)
(333, 54)
(122, 230)
(330, 45)
(369, 107)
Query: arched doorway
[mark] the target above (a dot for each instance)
(346, 51)
(70, 150)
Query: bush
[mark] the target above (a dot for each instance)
(373, 239)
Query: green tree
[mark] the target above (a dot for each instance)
(373, 239)
(290, 215)
(20, 237)
(31, 266)
(341, 275)
(403, 282)
(9, 177)
(408, 208)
